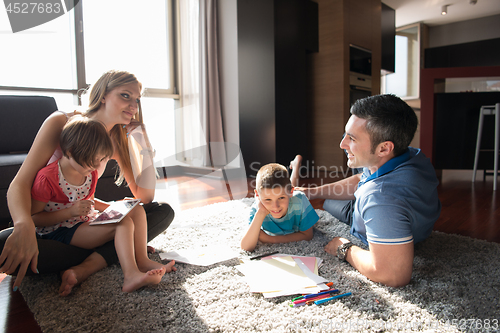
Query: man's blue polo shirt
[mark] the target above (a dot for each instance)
(399, 203)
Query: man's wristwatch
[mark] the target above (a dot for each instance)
(342, 250)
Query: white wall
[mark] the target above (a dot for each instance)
(465, 31)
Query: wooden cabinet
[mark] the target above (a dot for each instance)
(341, 23)
(388, 30)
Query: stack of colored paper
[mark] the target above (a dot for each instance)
(281, 275)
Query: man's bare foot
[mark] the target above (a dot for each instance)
(295, 166)
(151, 264)
(139, 279)
(69, 280)
(296, 163)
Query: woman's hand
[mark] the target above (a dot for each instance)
(20, 250)
(133, 125)
(21, 247)
(142, 178)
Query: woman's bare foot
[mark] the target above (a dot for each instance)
(77, 274)
(69, 280)
(139, 279)
(151, 264)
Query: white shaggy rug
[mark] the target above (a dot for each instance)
(455, 288)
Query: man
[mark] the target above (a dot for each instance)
(395, 201)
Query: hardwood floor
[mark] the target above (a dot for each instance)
(469, 209)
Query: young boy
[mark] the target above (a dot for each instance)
(62, 205)
(279, 214)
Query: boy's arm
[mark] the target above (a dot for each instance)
(294, 237)
(42, 218)
(251, 237)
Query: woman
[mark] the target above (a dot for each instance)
(115, 101)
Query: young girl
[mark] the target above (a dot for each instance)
(114, 100)
(62, 203)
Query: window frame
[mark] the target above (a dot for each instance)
(418, 58)
(81, 83)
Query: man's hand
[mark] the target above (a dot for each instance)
(304, 190)
(332, 246)
(20, 249)
(387, 264)
(81, 208)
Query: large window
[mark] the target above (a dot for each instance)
(60, 57)
(135, 37)
(405, 80)
(41, 57)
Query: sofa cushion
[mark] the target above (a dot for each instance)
(9, 165)
(4, 210)
(22, 116)
(12, 159)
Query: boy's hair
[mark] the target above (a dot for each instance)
(84, 139)
(273, 176)
(388, 118)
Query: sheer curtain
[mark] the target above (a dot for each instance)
(201, 138)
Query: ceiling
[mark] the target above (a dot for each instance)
(429, 11)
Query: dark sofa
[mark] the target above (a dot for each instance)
(21, 117)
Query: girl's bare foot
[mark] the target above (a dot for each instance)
(138, 280)
(151, 264)
(69, 280)
(170, 267)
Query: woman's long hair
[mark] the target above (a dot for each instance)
(107, 82)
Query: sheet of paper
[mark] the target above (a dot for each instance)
(204, 256)
(306, 268)
(311, 290)
(273, 275)
(313, 263)
(307, 271)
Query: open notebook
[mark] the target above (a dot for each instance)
(116, 211)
